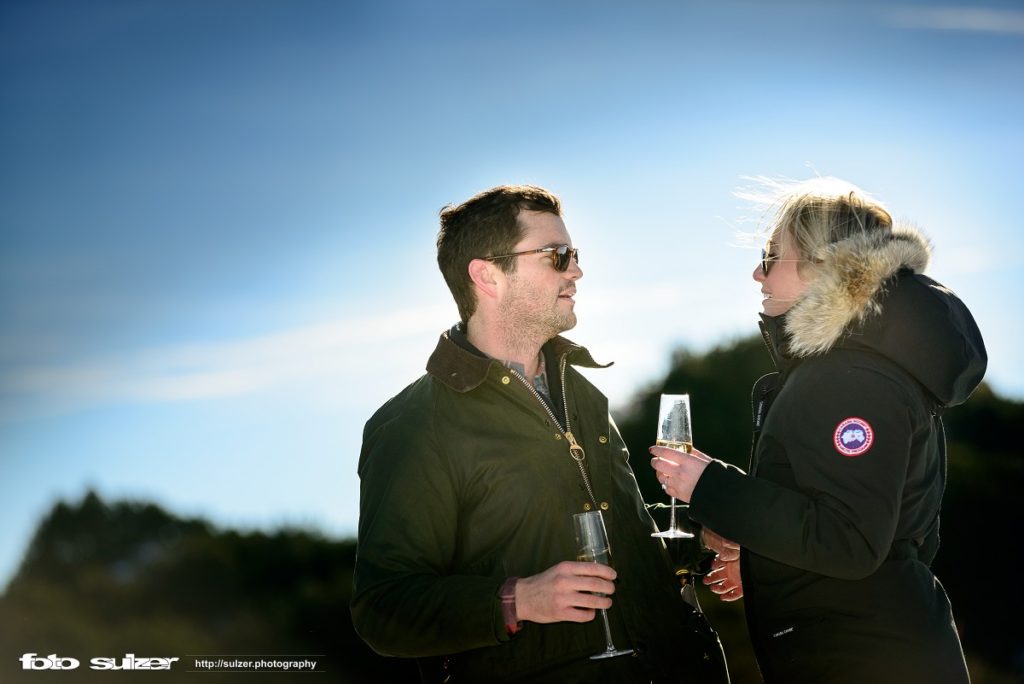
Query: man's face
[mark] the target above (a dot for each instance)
(538, 300)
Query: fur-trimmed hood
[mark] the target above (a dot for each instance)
(850, 283)
(870, 293)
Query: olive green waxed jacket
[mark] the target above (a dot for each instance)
(467, 480)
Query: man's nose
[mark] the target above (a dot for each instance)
(574, 272)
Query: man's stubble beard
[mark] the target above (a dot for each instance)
(524, 325)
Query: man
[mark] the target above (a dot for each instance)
(470, 477)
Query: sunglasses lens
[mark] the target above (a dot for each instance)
(562, 256)
(765, 262)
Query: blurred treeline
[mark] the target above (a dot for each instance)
(107, 579)
(111, 578)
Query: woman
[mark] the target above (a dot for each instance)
(838, 518)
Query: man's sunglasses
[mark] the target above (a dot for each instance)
(560, 256)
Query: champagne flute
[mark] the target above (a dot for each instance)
(592, 547)
(675, 431)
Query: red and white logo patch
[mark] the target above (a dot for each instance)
(853, 437)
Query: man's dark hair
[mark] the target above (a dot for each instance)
(484, 225)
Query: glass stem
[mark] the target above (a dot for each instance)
(672, 515)
(607, 631)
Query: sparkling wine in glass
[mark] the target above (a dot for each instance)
(592, 547)
(676, 432)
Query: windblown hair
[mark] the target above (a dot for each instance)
(818, 212)
(828, 212)
(484, 225)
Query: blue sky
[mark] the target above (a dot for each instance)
(218, 217)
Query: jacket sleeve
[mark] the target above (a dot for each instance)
(811, 506)
(405, 601)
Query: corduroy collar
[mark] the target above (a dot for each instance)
(462, 367)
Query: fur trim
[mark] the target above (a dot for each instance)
(849, 285)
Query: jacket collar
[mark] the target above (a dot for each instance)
(459, 365)
(773, 330)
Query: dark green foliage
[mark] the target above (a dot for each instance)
(981, 524)
(106, 580)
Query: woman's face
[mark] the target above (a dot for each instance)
(782, 286)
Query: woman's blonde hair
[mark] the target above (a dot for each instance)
(817, 212)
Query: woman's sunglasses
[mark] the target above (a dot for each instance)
(767, 259)
(560, 256)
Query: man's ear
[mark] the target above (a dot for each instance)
(485, 275)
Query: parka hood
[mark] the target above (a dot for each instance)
(870, 293)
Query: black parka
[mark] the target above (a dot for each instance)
(839, 517)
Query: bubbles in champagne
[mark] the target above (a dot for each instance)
(594, 556)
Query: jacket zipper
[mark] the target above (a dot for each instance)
(575, 450)
(769, 342)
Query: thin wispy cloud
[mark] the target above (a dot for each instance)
(971, 19)
(328, 358)
(213, 370)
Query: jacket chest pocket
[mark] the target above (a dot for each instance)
(532, 470)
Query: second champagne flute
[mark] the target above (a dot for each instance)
(674, 431)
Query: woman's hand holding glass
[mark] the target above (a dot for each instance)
(678, 471)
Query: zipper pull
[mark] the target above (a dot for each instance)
(575, 450)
